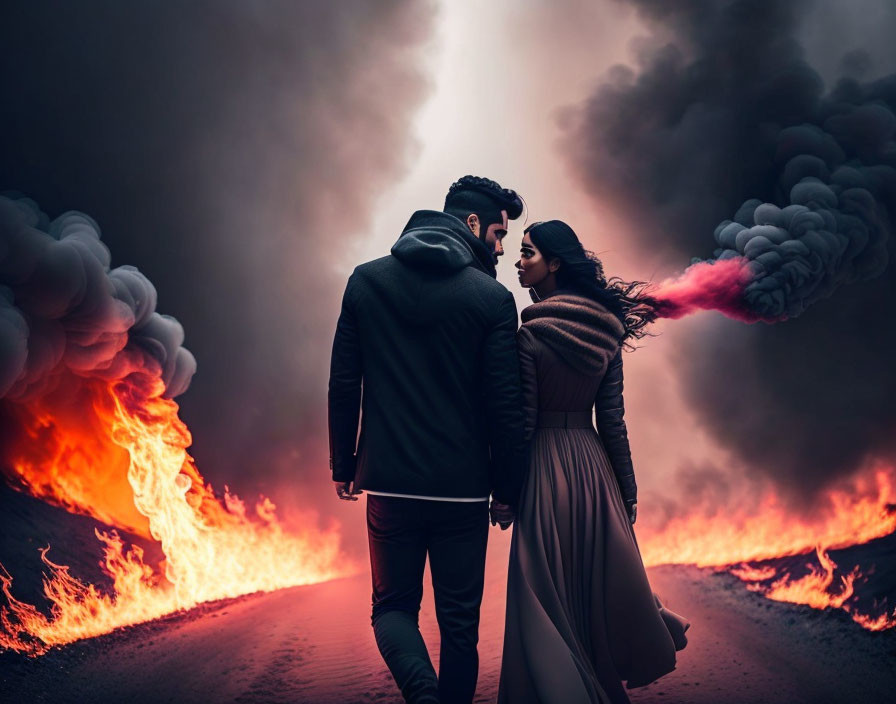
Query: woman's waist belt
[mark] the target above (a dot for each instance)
(564, 419)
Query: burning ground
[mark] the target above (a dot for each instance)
(90, 425)
(782, 558)
(314, 643)
(88, 372)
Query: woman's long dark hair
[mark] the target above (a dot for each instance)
(582, 272)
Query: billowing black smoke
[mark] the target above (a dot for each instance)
(724, 116)
(837, 187)
(232, 151)
(63, 310)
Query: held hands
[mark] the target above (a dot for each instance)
(346, 491)
(501, 514)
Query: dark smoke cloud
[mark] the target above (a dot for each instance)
(232, 151)
(63, 310)
(721, 114)
(836, 185)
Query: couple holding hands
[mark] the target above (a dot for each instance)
(465, 418)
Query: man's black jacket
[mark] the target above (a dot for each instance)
(430, 335)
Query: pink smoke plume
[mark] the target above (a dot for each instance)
(708, 285)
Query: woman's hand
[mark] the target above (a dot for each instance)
(501, 514)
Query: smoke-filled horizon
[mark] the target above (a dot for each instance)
(228, 151)
(242, 155)
(723, 128)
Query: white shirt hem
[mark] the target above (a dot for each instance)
(427, 498)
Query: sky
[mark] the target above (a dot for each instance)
(246, 156)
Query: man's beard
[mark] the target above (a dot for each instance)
(483, 230)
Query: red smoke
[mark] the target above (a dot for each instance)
(709, 285)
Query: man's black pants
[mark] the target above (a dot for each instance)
(454, 535)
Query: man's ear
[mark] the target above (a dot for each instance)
(473, 223)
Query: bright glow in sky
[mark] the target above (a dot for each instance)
(492, 112)
(497, 84)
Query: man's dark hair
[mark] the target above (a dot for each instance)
(485, 198)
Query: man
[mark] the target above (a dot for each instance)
(430, 335)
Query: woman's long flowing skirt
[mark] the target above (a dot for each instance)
(581, 617)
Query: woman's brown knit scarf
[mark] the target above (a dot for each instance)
(582, 331)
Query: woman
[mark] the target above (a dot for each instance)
(581, 616)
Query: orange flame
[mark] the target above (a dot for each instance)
(62, 452)
(877, 623)
(80, 610)
(213, 549)
(854, 515)
(119, 454)
(753, 574)
(813, 589)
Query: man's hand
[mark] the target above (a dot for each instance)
(632, 511)
(501, 514)
(346, 491)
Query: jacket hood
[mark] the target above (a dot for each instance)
(439, 242)
(582, 331)
(432, 250)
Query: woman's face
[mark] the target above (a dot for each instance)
(532, 267)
